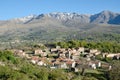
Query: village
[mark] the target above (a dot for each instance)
(73, 59)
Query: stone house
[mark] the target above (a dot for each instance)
(104, 55)
(72, 51)
(61, 55)
(71, 64)
(63, 65)
(93, 66)
(41, 63)
(38, 51)
(57, 64)
(35, 59)
(75, 57)
(99, 64)
(116, 57)
(53, 50)
(111, 55)
(81, 49)
(97, 53)
(62, 49)
(20, 53)
(93, 51)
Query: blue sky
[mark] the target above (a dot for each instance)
(19, 8)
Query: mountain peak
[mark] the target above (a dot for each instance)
(24, 19)
(102, 17)
(106, 11)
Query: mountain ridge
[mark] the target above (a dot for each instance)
(106, 17)
(61, 26)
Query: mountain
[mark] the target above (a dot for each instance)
(58, 26)
(116, 20)
(104, 17)
(24, 19)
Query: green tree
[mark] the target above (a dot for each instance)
(58, 75)
(114, 73)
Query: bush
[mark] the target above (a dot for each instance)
(8, 56)
(89, 78)
(57, 75)
(114, 74)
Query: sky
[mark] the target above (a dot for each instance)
(19, 8)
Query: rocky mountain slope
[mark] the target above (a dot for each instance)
(62, 26)
(102, 17)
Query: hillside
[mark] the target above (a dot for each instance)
(103, 26)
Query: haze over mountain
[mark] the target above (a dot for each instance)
(62, 26)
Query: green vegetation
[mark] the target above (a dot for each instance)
(25, 35)
(110, 47)
(8, 57)
(114, 74)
